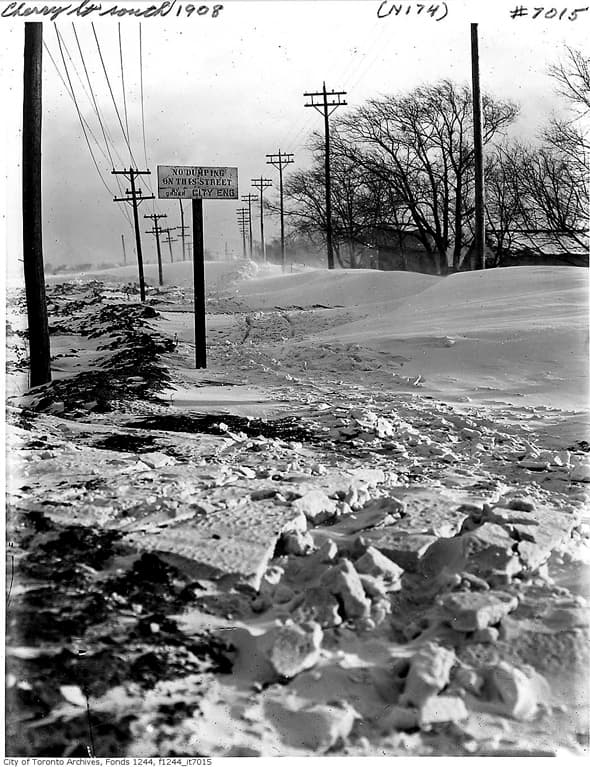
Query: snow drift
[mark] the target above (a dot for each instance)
(515, 331)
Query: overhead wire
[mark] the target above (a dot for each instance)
(113, 95)
(105, 131)
(92, 97)
(366, 67)
(356, 70)
(123, 83)
(107, 140)
(70, 93)
(143, 113)
(141, 96)
(79, 112)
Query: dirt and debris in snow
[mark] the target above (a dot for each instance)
(306, 549)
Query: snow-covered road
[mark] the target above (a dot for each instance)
(371, 496)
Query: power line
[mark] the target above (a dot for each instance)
(108, 137)
(123, 83)
(262, 184)
(279, 161)
(350, 75)
(73, 64)
(70, 94)
(112, 94)
(141, 95)
(92, 96)
(135, 197)
(183, 229)
(143, 117)
(326, 108)
(156, 232)
(170, 240)
(364, 67)
(244, 223)
(69, 91)
(80, 114)
(250, 198)
(100, 121)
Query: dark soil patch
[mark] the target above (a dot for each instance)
(132, 371)
(121, 625)
(126, 443)
(152, 584)
(60, 555)
(70, 738)
(287, 429)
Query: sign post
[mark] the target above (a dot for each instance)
(199, 285)
(198, 184)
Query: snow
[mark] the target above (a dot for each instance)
(415, 451)
(513, 332)
(341, 287)
(179, 273)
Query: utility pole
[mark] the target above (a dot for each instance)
(326, 108)
(39, 350)
(182, 228)
(156, 232)
(250, 198)
(478, 154)
(199, 284)
(124, 254)
(243, 233)
(135, 197)
(243, 222)
(170, 241)
(262, 184)
(279, 161)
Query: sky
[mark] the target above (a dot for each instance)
(228, 90)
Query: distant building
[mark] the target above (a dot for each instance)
(543, 249)
(405, 251)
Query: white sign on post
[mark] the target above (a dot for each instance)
(197, 183)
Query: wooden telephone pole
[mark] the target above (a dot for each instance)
(250, 198)
(124, 253)
(170, 240)
(39, 350)
(242, 228)
(279, 161)
(479, 245)
(135, 198)
(262, 184)
(183, 229)
(325, 108)
(156, 232)
(243, 222)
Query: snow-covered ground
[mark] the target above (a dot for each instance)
(500, 335)
(362, 530)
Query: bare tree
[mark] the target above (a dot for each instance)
(504, 190)
(557, 177)
(573, 78)
(420, 145)
(569, 134)
(356, 208)
(555, 197)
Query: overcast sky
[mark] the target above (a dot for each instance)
(229, 90)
